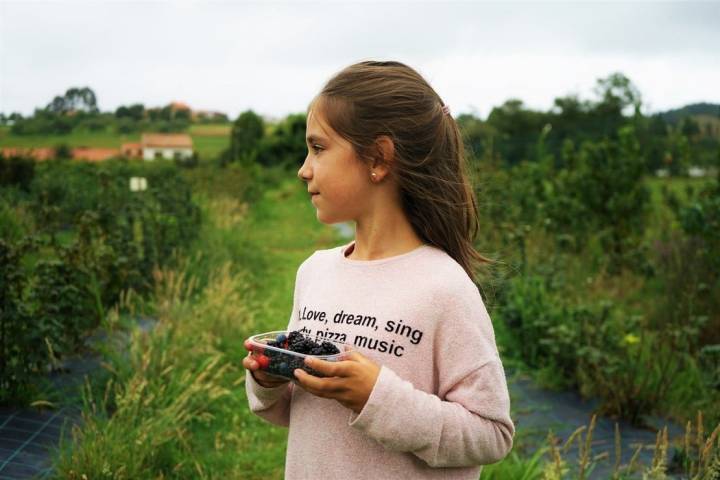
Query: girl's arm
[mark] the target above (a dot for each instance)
(271, 404)
(466, 421)
(471, 426)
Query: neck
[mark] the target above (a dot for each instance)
(381, 237)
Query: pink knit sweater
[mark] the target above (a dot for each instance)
(440, 407)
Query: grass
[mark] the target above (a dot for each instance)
(682, 187)
(178, 404)
(75, 139)
(211, 130)
(698, 457)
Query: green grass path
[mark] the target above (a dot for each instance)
(278, 234)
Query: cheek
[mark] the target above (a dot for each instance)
(350, 192)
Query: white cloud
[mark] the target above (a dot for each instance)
(273, 57)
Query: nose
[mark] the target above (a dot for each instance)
(304, 173)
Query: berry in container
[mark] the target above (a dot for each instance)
(280, 352)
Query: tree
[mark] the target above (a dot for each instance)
(245, 136)
(476, 134)
(570, 119)
(518, 130)
(652, 134)
(182, 114)
(602, 193)
(616, 95)
(74, 100)
(63, 151)
(134, 112)
(286, 145)
(689, 127)
(166, 113)
(678, 153)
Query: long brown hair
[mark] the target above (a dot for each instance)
(369, 99)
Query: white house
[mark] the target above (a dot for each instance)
(166, 145)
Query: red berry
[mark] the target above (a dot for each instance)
(263, 361)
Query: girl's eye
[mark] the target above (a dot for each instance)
(316, 148)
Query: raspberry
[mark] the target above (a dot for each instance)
(263, 361)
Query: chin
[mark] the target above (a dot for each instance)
(325, 220)
(330, 220)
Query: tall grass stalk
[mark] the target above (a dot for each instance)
(141, 426)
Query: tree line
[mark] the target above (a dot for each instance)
(77, 111)
(513, 133)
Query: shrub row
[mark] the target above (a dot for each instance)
(92, 238)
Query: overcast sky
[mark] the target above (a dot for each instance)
(273, 57)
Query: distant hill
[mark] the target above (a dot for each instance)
(704, 109)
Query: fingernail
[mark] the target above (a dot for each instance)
(308, 360)
(296, 372)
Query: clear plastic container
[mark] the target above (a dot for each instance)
(281, 363)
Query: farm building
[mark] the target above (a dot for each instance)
(165, 145)
(152, 146)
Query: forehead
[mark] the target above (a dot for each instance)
(317, 129)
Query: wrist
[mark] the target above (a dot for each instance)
(263, 383)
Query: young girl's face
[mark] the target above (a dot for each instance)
(332, 169)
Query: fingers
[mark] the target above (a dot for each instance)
(354, 355)
(328, 386)
(249, 363)
(322, 387)
(329, 369)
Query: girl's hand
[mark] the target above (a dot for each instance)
(349, 381)
(260, 377)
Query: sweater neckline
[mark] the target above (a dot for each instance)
(349, 261)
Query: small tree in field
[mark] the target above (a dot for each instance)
(246, 134)
(601, 192)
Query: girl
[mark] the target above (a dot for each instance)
(423, 394)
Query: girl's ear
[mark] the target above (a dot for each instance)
(386, 154)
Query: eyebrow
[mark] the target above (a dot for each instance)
(313, 138)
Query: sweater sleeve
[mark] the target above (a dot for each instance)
(270, 404)
(467, 421)
(273, 404)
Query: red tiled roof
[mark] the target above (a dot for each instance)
(179, 106)
(166, 140)
(94, 154)
(41, 153)
(133, 150)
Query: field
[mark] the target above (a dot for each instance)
(562, 315)
(208, 140)
(180, 405)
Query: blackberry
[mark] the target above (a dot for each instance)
(283, 364)
(328, 348)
